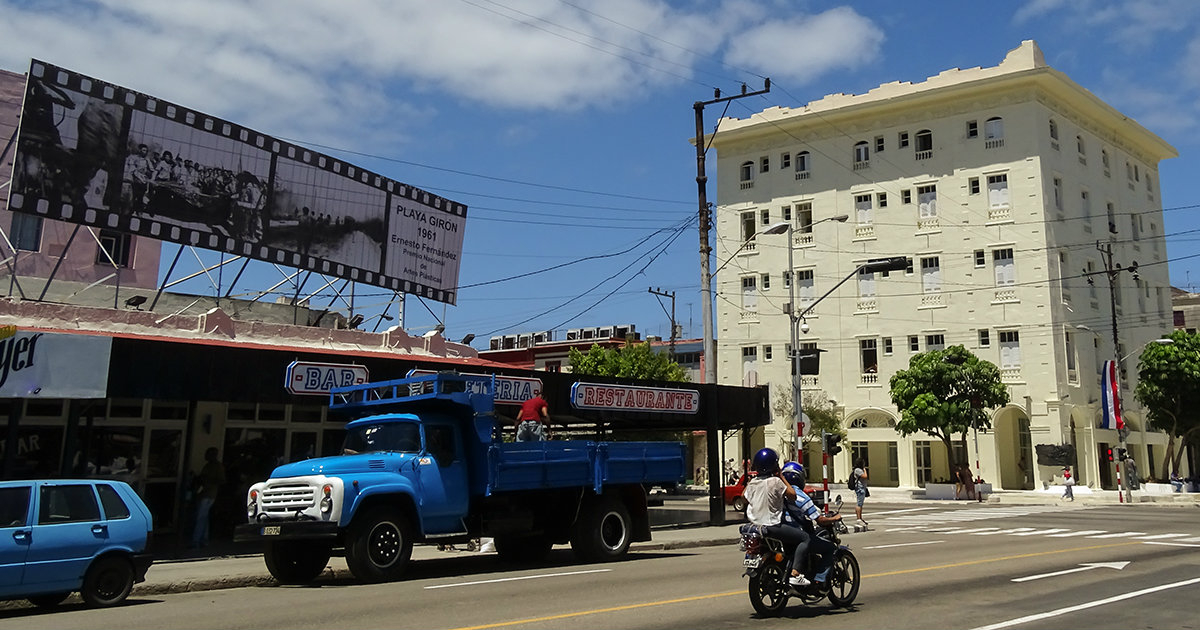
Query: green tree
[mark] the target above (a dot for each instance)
(821, 412)
(633, 360)
(1169, 389)
(944, 392)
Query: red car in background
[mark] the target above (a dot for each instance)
(733, 493)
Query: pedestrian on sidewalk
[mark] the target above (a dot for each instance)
(208, 483)
(1069, 484)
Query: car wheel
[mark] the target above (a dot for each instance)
(48, 600)
(739, 504)
(107, 582)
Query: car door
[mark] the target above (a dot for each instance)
(14, 533)
(68, 534)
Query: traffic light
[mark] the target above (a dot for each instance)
(1108, 454)
(831, 443)
(1121, 454)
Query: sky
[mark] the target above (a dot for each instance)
(564, 125)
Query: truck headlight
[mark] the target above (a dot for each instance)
(326, 499)
(252, 505)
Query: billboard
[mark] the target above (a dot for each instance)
(101, 155)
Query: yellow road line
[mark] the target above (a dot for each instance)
(598, 611)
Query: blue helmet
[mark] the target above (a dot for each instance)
(766, 462)
(793, 472)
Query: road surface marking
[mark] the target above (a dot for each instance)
(927, 542)
(1084, 606)
(921, 509)
(1042, 531)
(977, 529)
(1087, 566)
(742, 592)
(1119, 535)
(1161, 536)
(1082, 533)
(1170, 543)
(1006, 531)
(1193, 539)
(514, 579)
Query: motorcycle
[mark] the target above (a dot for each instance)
(768, 564)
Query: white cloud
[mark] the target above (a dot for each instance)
(817, 44)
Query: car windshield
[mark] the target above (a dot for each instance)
(404, 437)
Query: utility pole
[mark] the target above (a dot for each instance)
(674, 326)
(1113, 271)
(716, 502)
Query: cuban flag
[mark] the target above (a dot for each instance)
(1110, 398)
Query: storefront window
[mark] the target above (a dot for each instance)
(39, 453)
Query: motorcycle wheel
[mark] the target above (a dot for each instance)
(843, 580)
(768, 590)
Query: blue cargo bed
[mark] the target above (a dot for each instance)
(575, 463)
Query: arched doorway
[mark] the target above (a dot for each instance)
(872, 436)
(1014, 448)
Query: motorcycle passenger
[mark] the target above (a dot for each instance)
(803, 513)
(765, 495)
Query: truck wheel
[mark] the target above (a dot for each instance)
(380, 544)
(107, 582)
(518, 549)
(602, 532)
(739, 504)
(296, 562)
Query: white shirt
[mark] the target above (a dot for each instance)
(764, 500)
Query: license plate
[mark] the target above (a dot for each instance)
(753, 563)
(270, 530)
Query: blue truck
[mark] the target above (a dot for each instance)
(425, 464)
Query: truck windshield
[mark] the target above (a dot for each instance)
(404, 437)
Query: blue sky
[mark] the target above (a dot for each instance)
(564, 124)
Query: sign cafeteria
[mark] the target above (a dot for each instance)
(628, 398)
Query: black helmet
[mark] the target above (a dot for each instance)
(793, 472)
(766, 462)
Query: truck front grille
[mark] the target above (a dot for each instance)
(286, 499)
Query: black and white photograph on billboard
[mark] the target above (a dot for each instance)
(322, 214)
(98, 154)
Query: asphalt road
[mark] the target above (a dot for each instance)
(941, 566)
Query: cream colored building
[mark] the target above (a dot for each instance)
(1001, 185)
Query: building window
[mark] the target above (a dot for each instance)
(1112, 217)
(908, 270)
(1179, 318)
(750, 365)
(117, 244)
(1104, 161)
(902, 139)
(881, 200)
(993, 132)
(869, 355)
(906, 196)
(1054, 131)
(764, 164)
(972, 129)
(802, 165)
(1058, 194)
(805, 287)
(998, 191)
(1135, 227)
(973, 186)
(1064, 268)
(914, 343)
(786, 213)
(927, 201)
(879, 144)
(862, 209)
(924, 148)
(749, 293)
(766, 281)
(1010, 349)
(935, 342)
(804, 220)
(26, 232)
(766, 353)
(1004, 266)
(747, 174)
(1080, 147)
(985, 338)
(931, 274)
(748, 228)
(887, 346)
(866, 283)
(765, 217)
(980, 258)
(1085, 204)
(785, 160)
(862, 154)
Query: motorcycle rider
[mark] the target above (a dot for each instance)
(765, 496)
(803, 513)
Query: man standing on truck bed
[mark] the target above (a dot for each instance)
(533, 419)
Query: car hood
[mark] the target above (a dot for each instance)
(367, 462)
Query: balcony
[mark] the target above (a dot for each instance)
(801, 175)
(869, 378)
(993, 143)
(809, 381)
(1000, 213)
(865, 164)
(933, 300)
(747, 185)
(1010, 375)
(867, 305)
(864, 231)
(748, 315)
(1005, 295)
(928, 224)
(924, 155)
(803, 239)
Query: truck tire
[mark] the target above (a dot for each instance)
(379, 545)
(602, 532)
(296, 562)
(522, 549)
(107, 582)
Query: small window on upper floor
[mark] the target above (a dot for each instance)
(881, 200)
(803, 164)
(902, 139)
(1080, 145)
(993, 132)
(985, 338)
(980, 258)
(914, 343)
(906, 196)
(117, 246)
(935, 342)
(862, 153)
(879, 144)
(747, 172)
(764, 164)
(785, 160)
(1053, 129)
(973, 185)
(765, 217)
(924, 141)
(972, 128)
(26, 232)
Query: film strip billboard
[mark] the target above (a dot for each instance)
(97, 154)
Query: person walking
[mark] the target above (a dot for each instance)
(859, 477)
(533, 419)
(208, 484)
(1069, 485)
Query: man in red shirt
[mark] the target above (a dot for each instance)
(533, 419)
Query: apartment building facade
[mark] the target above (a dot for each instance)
(1012, 191)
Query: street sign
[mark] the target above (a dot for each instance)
(307, 378)
(510, 390)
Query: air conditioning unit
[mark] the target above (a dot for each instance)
(575, 334)
(605, 332)
(543, 337)
(510, 342)
(624, 331)
(589, 333)
(496, 343)
(524, 341)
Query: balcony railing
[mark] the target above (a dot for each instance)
(1006, 294)
(999, 213)
(747, 185)
(801, 174)
(858, 166)
(748, 314)
(869, 378)
(1010, 375)
(924, 155)
(993, 143)
(809, 381)
(931, 300)
(864, 230)
(867, 305)
(928, 224)
(803, 239)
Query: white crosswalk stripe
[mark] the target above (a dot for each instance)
(1086, 532)
(957, 521)
(1161, 536)
(1120, 535)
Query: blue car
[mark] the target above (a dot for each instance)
(64, 535)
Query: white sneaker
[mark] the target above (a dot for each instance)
(798, 580)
